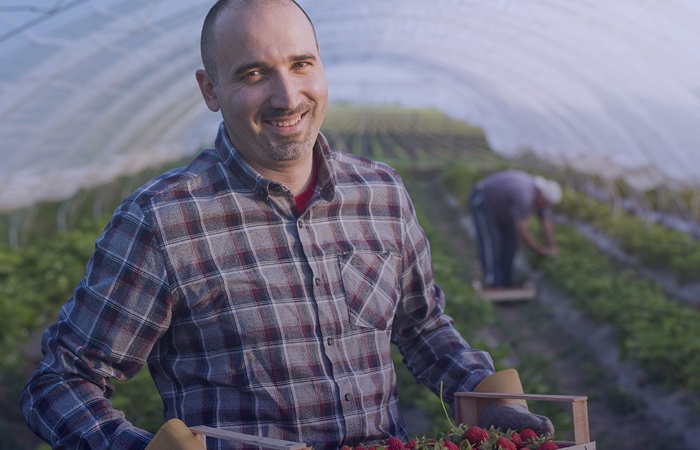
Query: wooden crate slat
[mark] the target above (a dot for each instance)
(265, 442)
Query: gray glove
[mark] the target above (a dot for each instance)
(514, 416)
(508, 413)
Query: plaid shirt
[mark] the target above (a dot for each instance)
(251, 315)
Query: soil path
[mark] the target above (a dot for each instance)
(577, 356)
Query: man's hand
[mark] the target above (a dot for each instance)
(508, 413)
(514, 416)
(174, 435)
(523, 230)
(552, 250)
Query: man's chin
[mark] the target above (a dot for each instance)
(288, 152)
(291, 148)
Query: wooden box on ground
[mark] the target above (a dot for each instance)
(528, 291)
(465, 412)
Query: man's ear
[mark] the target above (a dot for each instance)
(206, 86)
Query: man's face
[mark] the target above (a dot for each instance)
(271, 86)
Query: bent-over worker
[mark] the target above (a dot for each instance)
(501, 205)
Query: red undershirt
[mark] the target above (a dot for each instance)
(303, 198)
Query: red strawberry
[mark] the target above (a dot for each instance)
(505, 444)
(345, 447)
(528, 436)
(449, 445)
(548, 445)
(410, 445)
(476, 434)
(517, 440)
(394, 443)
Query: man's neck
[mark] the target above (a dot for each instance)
(295, 177)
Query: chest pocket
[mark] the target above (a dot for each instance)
(371, 287)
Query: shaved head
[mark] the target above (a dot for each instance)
(208, 39)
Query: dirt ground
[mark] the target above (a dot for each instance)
(578, 356)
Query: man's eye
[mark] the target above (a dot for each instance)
(301, 64)
(253, 73)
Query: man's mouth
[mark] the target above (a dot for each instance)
(287, 122)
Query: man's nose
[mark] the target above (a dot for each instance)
(285, 92)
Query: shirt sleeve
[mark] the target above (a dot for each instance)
(432, 349)
(106, 330)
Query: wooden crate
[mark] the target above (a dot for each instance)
(465, 412)
(527, 291)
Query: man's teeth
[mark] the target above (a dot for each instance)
(287, 123)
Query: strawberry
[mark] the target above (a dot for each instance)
(517, 440)
(476, 434)
(410, 445)
(528, 436)
(548, 445)
(394, 443)
(505, 444)
(449, 445)
(345, 447)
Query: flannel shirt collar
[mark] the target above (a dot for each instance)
(261, 185)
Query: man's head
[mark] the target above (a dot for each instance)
(263, 71)
(549, 191)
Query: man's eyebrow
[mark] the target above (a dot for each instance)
(304, 57)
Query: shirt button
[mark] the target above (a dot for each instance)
(348, 397)
(317, 281)
(330, 341)
(300, 223)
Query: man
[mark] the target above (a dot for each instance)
(264, 283)
(501, 205)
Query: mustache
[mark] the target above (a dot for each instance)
(279, 113)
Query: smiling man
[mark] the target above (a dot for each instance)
(269, 86)
(264, 283)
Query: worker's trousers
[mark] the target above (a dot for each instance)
(497, 243)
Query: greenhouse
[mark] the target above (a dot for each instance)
(97, 97)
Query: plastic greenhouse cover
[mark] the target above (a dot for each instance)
(94, 89)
